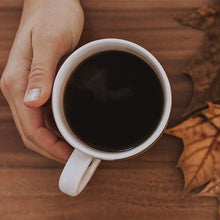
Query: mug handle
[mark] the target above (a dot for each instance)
(77, 172)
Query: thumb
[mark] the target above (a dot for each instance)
(41, 77)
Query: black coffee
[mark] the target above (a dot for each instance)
(113, 101)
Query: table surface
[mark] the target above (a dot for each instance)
(146, 187)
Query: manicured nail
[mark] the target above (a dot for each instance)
(31, 95)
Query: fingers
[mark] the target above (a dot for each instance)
(46, 56)
(35, 136)
(29, 121)
(34, 131)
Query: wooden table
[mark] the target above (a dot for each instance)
(146, 187)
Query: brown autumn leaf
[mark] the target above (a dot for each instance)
(213, 188)
(204, 68)
(200, 159)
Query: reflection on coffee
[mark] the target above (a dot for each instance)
(113, 101)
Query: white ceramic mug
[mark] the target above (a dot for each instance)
(85, 159)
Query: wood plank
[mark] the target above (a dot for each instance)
(122, 4)
(128, 194)
(11, 4)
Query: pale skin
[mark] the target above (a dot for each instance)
(48, 31)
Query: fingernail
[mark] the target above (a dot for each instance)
(31, 95)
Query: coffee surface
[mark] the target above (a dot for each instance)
(113, 101)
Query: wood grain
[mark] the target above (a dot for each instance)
(146, 187)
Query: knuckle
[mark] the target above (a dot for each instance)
(28, 137)
(6, 82)
(11, 84)
(37, 73)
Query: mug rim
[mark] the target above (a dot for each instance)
(73, 61)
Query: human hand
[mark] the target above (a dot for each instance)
(49, 30)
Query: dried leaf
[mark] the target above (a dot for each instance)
(200, 159)
(213, 188)
(204, 69)
(203, 18)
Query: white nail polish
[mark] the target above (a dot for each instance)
(31, 95)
